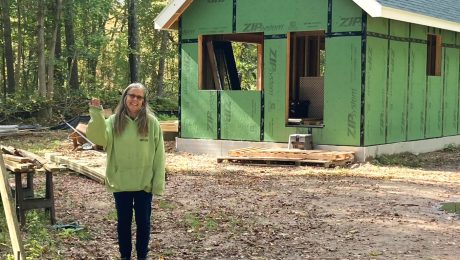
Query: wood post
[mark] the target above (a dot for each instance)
(10, 213)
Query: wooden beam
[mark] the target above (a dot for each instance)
(260, 67)
(290, 38)
(15, 158)
(438, 55)
(39, 161)
(10, 213)
(214, 68)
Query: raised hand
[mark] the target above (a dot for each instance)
(95, 102)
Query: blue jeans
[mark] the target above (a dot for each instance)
(141, 202)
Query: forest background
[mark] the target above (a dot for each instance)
(57, 54)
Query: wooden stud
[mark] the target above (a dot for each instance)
(10, 213)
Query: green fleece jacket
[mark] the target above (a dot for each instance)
(134, 163)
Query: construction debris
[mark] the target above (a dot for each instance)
(297, 157)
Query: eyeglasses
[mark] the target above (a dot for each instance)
(134, 96)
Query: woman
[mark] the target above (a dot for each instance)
(133, 141)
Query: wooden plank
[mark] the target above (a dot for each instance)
(39, 161)
(282, 161)
(293, 154)
(7, 149)
(18, 167)
(10, 213)
(169, 126)
(213, 61)
(15, 158)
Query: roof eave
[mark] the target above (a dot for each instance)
(168, 18)
(375, 9)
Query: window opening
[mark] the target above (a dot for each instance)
(231, 61)
(305, 95)
(433, 66)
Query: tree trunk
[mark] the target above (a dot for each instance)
(8, 46)
(52, 50)
(58, 73)
(72, 62)
(20, 54)
(133, 42)
(41, 49)
(159, 81)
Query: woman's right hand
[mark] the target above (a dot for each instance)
(95, 102)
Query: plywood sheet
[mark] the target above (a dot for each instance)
(240, 115)
(280, 17)
(451, 84)
(342, 93)
(198, 107)
(417, 92)
(376, 83)
(207, 17)
(346, 16)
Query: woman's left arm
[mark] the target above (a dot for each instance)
(158, 182)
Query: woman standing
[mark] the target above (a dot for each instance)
(133, 141)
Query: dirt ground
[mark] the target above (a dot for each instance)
(226, 211)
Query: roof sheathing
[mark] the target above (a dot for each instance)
(424, 12)
(448, 10)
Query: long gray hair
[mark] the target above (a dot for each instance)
(121, 112)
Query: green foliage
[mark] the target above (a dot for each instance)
(112, 215)
(101, 51)
(22, 105)
(80, 234)
(5, 244)
(402, 159)
(201, 224)
(37, 243)
(451, 148)
(163, 204)
(246, 64)
(163, 104)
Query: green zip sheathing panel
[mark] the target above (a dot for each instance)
(207, 17)
(417, 92)
(451, 75)
(377, 25)
(433, 126)
(346, 16)
(275, 92)
(448, 37)
(396, 109)
(342, 93)
(417, 85)
(198, 108)
(240, 115)
(279, 17)
(458, 82)
(375, 96)
(450, 85)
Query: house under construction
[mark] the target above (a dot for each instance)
(370, 76)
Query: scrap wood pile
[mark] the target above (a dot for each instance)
(18, 160)
(284, 156)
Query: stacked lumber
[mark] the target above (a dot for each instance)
(293, 156)
(169, 126)
(83, 166)
(17, 163)
(18, 160)
(170, 130)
